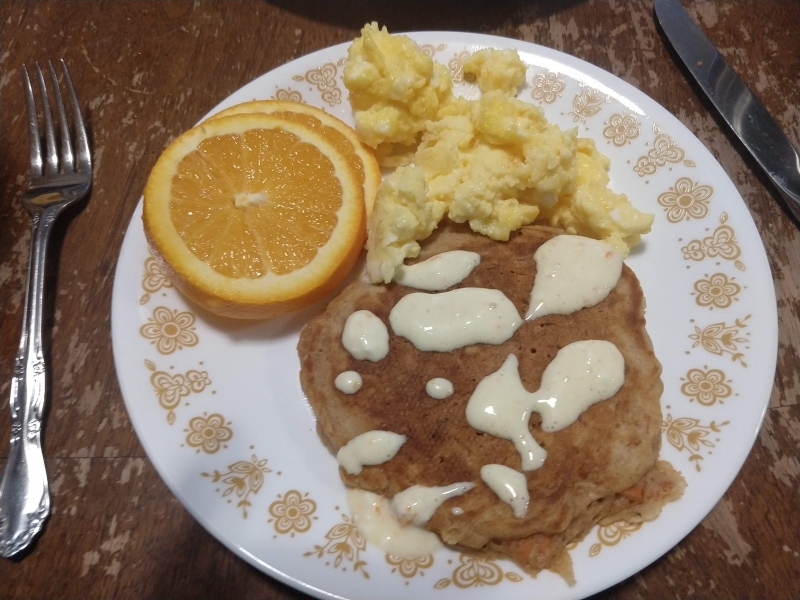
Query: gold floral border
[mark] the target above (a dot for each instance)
(344, 545)
(665, 150)
(244, 477)
(410, 567)
(547, 86)
(208, 433)
(722, 243)
(688, 434)
(587, 103)
(686, 200)
(721, 339)
(611, 535)
(171, 389)
(325, 78)
(154, 279)
(170, 330)
(621, 129)
(430, 50)
(292, 513)
(475, 572)
(456, 66)
(706, 386)
(287, 95)
(716, 291)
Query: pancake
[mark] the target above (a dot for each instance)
(591, 465)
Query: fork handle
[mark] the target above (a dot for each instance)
(24, 492)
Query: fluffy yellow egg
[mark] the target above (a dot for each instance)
(395, 88)
(593, 209)
(494, 162)
(501, 70)
(403, 214)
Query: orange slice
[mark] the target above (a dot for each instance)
(254, 216)
(337, 132)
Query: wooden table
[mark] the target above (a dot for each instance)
(148, 70)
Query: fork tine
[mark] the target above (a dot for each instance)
(67, 162)
(51, 158)
(84, 162)
(33, 126)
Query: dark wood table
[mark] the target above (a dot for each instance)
(148, 70)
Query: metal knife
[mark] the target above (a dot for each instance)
(745, 114)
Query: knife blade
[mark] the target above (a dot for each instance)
(740, 108)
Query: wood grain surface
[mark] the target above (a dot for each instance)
(148, 70)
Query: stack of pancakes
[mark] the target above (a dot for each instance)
(604, 467)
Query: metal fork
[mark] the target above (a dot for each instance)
(54, 185)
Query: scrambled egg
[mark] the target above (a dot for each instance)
(395, 88)
(494, 162)
(593, 209)
(496, 70)
(403, 216)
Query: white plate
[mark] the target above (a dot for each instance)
(268, 489)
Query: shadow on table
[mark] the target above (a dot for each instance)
(410, 15)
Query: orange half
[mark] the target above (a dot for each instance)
(340, 134)
(254, 216)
